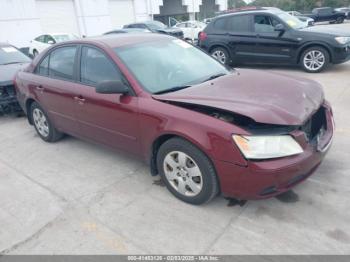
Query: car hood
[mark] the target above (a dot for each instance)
(264, 97)
(7, 72)
(325, 30)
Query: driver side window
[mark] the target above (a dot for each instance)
(265, 24)
(96, 67)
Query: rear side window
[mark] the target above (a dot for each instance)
(62, 62)
(96, 67)
(220, 24)
(241, 23)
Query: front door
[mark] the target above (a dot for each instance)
(272, 46)
(110, 119)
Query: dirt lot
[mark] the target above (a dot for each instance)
(73, 197)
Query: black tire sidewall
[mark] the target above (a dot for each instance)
(210, 182)
(316, 48)
(51, 136)
(227, 55)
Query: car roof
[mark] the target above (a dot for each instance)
(119, 40)
(270, 10)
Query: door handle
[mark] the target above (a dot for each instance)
(79, 99)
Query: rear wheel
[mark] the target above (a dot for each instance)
(43, 125)
(187, 172)
(221, 54)
(314, 59)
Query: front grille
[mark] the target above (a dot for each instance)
(315, 124)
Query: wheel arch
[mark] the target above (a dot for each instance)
(160, 140)
(323, 45)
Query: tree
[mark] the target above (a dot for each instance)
(236, 3)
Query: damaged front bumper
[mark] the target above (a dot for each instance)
(268, 178)
(8, 100)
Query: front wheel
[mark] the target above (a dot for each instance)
(43, 125)
(187, 172)
(221, 54)
(340, 20)
(314, 59)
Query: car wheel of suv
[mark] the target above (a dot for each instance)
(221, 54)
(187, 172)
(314, 59)
(43, 125)
(340, 20)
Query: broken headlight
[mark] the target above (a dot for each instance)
(267, 147)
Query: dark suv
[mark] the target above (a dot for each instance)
(271, 36)
(325, 14)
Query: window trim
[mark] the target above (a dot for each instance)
(78, 68)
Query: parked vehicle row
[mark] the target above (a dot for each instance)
(327, 14)
(271, 36)
(205, 131)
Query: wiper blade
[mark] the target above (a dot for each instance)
(173, 89)
(10, 63)
(213, 77)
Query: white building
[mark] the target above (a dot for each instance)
(22, 20)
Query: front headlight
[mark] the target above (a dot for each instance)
(343, 40)
(267, 147)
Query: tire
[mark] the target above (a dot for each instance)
(198, 172)
(221, 54)
(307, 58)
(43, 125)
(35, 53)
(340, 20)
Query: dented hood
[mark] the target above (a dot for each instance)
(268, 98)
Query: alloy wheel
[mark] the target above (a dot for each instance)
(41, 122)
(220, 56)
(314, 60)
(183, 173)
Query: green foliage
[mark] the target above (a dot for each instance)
(300, 5)
(236, 3)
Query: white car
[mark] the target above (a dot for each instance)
(191, 29)
(42, 42)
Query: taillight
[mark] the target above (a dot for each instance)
(202, 36)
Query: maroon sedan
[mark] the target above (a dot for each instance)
(204, 128)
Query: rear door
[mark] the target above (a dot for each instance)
(241, 38)
(110, 119)
(54, 85)
(272, 46)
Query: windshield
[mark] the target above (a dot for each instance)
(62, 38)
(155, 25)
(11, 55)
(292, 21)
(168, 64)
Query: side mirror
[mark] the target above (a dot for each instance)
(50, 42)
(112, 87)
(280, 28)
